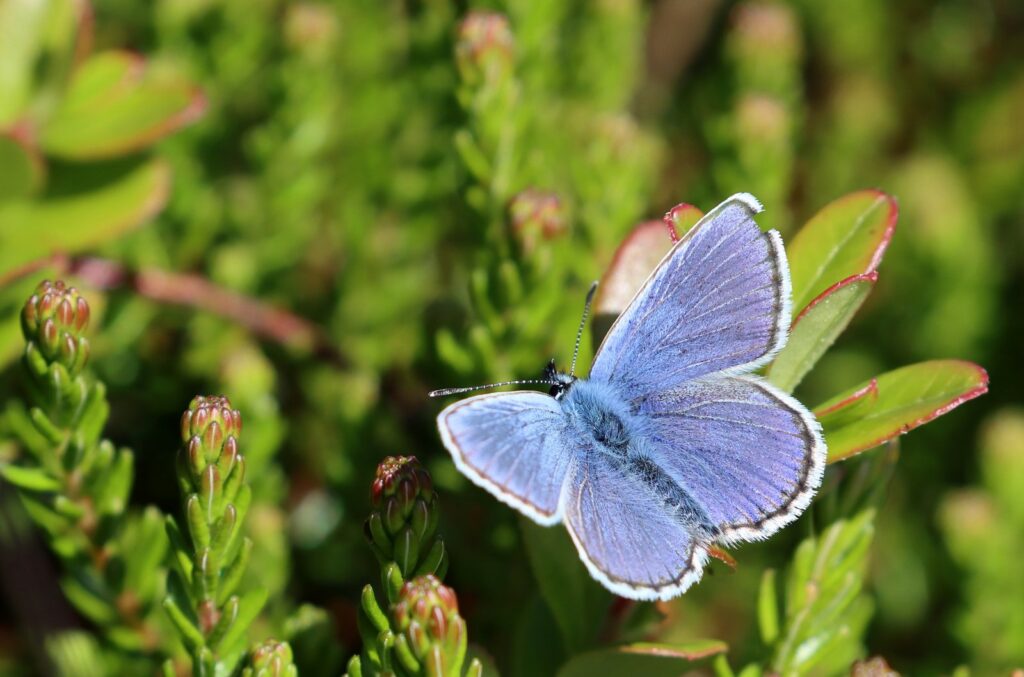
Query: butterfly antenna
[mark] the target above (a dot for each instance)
(583, 323)
(458, 391)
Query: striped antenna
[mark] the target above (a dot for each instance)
(583, 323)
(458, 391)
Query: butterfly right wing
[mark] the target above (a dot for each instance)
(718, 301)
(513, 445)
(633, 535)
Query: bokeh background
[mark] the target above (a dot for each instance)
(374, 199)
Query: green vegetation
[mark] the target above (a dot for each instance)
(324, 210)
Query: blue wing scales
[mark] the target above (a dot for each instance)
(514, 446)
(750, 455)
(718, 301)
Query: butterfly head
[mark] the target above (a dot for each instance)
(560, 382)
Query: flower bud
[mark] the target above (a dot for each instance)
(536, 215)
(212, 424)
(765, 29)
(484, 48)
(426, 616)
(271, 659)
(54, 319)
(405, 513)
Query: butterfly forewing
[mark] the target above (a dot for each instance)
(718, 301)
(514, 445)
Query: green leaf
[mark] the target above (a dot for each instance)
(248, 608)
(847, 237)
(117, 104)
(768, 608)
(817, 327)
(578, 603)
(72, 223)
(93, 604)
(144, 542)
(824, 605)
(32, 479)
(642, 658)
(21, 170)
(22, 27)
(536, 645)
(907, 398)
(178, 605)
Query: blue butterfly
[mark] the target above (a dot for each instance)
(671, 445)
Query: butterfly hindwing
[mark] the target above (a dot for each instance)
(626, 535)
(512, 444)
(749, 455)
(719, 300)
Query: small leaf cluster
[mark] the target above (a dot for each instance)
(74, 484)
(412, 627)
(210, 562)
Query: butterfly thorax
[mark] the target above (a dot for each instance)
(597, 410)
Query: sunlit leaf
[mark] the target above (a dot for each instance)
(116, 104)
(826, 615)
(642, 658)
(71, 223)
(847, 237)
(817, 327)
(578, 603)
(907, 398)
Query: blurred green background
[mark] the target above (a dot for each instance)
(427, 204)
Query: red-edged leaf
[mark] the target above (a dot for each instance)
(680, 219)
(906, 398)
(116, 104)
(638, 255)
(642, 658)
(847, 237)
(816, 328)
(855, 406)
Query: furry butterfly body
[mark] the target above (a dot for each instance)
(671, 445)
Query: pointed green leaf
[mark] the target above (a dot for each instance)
(816, 328)
(92, 603)
(32, 479)
(768, 607)
(117, 104)
(71, 223)
(907, 398)
(847, 237)
(642, 658)
(178, 605)
(576, 600)
(249, 607)
(824, 606)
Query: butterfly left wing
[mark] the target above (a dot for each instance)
(718, 301)
(750, 455)
(513, 445)
(636, 543)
